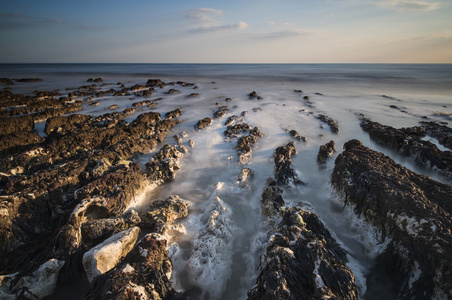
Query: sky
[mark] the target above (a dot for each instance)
(232, 31)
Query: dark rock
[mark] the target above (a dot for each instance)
(442, 133)
(284, 173)
(411, 210)
(172, 92)
(173, 114)
(333, 125)
(18, 141)
(293, 133)
(254, 95)
(143, 274)
(220, 112)
(154, 82)
(203, 123)
(298, 91)
(65, 123)
(271, 199)
(163, 213)
(234, 131)
(16, 124)
(326, 151)
(98, 80)
(6, 81)
(163, 165)
(28, 80)
(303, 261)
(193, 95)
(245, 144)
(408, 142)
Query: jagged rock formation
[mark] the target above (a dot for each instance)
(411, 210)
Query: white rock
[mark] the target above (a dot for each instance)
(38, 285)
(105, 256)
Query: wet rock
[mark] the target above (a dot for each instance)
(96, 231)
(404, 141)
(163, 213)
(284, 173)
(65, 123)
(173, 114)
(16, 124)
(18, 141)
(271, 199)
(412, 212)
(38, 285)
(220, 112)
(326, 151)
(442, 133)
(254, 95)
(244, 178)
(105, 256)
(6, 81)
(193, 95)
(212, 249)
(28, 80)
(203, 123)
(154, 82)
(172, 92)
(303, 261)
(331, 123)
(163, 165)
(143, 274)
(98, 80)
(233, 131)
(245, 144)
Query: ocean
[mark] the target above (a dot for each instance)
(399, 95)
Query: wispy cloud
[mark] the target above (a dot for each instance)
(239, 26)
(205, 20)
(409, 5)
(9, 21)
(203, 17)
(282, 34)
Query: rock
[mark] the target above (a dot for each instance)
(203, 123)
(333, 125)
(411, 211)
(105, 256)
(66, 123)
(244, 177)
(193, 95)
(18, 141)
(16, 124)
(271, 199)
(28, 80)
(143, 274)
(162, 166)
(303, 261)
(234, 131)
(284, 173)
(172, 92)
(442, 133)
(154, 82)
(6, 81)
(326, 151)
(254, 95)
(407, 141)
(163, 213)
(98, 80)
(245, 143)
(38, 285)
(95, 231)
(173, 114)
(220, 112)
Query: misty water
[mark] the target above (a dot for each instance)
(396, 95)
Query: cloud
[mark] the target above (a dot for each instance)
(203, 16)
(204, 20)
(409, 5)
(239, 26)
(282, 34)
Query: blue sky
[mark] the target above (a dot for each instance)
(247, 31)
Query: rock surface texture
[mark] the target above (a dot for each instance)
(410, 211)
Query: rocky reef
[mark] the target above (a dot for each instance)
(412, 214)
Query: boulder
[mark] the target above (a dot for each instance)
(162, 166)
(326, 151)
(410, 211)
(173, 114)
(284, 173)
(105, 256)
(220, 112)
(331, 123)
(203, 123)
(143, 274)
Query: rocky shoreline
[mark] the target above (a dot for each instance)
(68, 216)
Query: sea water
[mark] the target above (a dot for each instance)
(392, 94)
